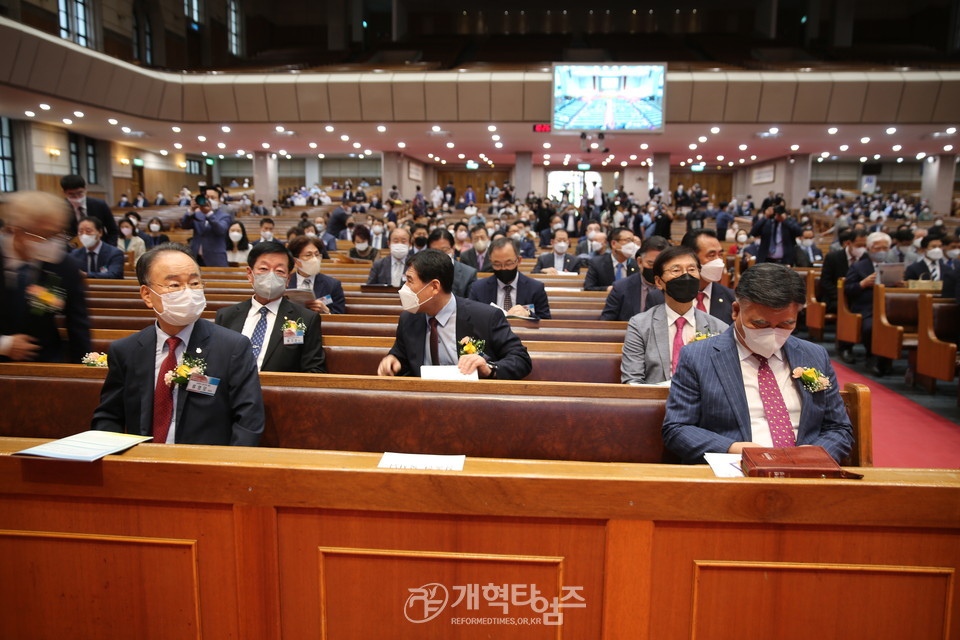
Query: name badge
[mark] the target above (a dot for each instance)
(293, 337)
(532, 309)
(327, 300)
(203, 384)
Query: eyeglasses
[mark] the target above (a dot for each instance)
(55, 237)
(308, 256)
(676, 272)
(279, 271)
(504, 266)
(174, 287)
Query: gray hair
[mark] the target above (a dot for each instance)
(772, 285)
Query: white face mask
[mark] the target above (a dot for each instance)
(236, 236)
(155, 227)
(399, 251)
(807, 242)
(935, 254)
(517, 236)
(560, 247)
(953, 254)
(77, 201)
(594, 247)
(321, 228)
(377, 230)
(269, 286)
(764, 342)
(213, 204)
(127, 231)
(410, 300)
(857, 252)
(90, 240)
(481, 245)
(310, 234)
(310, 267)
(462, 235)
(629, 249)
(742, 239)
(362, 246)
(183, 307)
(712, 271)
(266, 235)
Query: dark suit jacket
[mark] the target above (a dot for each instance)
(474, 320)
(707, 407)
(17, 317)
(623, 301)
(920, 271)
(209, 233)
(546, 261)
(338, 221)
(96, 208)
(382, 270)
(233, 415)
(529, 291)
(109, 261)
(860, 300)
(765, 229)
(721, 303)
(464, 277)
(303, 358)
(835, 266)
(324, 285)
(802, 258)
(469, 258)
(601, 274)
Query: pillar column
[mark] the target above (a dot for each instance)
(660, 173)
(797, 182)
(311, 170)
(265, 183)
(936, 186)
(522, 174)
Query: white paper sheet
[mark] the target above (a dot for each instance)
(725, 465)
(85, 447)
(392, 460)
(445, 372)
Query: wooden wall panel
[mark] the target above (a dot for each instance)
(122, 186)
(478, 179)
(718, 185)
(167, 181)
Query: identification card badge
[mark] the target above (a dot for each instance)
(532, 309)
(293, 337)
(327, 300)
(202, 384)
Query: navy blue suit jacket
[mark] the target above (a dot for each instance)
(571, 263)
(210, 235)
(601, 273)
(920, 271)
(721, 303)
(324, 285)
(529, 291)
(476, 320)
(232, 416)
(765, 228)
(96, 208)
(707, 406)
(859, 300)
(623, 301)
(109, 261)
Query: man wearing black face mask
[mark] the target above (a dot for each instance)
(655, 337)
(637, 292)
(509, 289)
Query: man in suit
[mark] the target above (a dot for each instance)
(605, 270)
(778, 235)
(931, 265)
(558, 260)
(638, 292)
(464, 277)
(328, 295)
(435, 322)
(478, 257)
(210, 225)
(713, 297)
(808, 254)
(836, 264)
(655, 338)
(450, 194)
(138, 395)
(583, 244)
(858, 290)
(40, 283)
(509, 289)
(262, 317)
(737, 390)
(338, 221)
(159, 200)
(96, 258)
(546, 232)
(267, 227)
(75, 191)
(389, 270)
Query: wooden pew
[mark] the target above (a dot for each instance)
(496, 419)
(849, 324)
(936, 338)
(817, 316)
(895, 321)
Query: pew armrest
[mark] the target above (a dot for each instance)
(887, 339)
(935, 357)
(856, 398)
(849, 324)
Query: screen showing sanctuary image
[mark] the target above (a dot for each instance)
(595, 97)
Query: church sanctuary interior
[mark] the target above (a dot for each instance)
(387, 319)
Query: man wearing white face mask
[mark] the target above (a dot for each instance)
(96, 258)
(221, 405)
(808, 254)
(558, 260)
(435, 322)
(210, 224)
(262, 317)
(931, 266)
(605, 270)
(40, 283)
(713, 297)
(389, 270)
(737, 390)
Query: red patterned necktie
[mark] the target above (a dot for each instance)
(700, 296)
(775, 409)
(679, 323)
(163, 394)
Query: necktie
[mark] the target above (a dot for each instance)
(507, 297)
(83, 211)
(679, 323)
(778, 418)
(700, 296)
(619, 271)
(397, 273)
(91, 262)
(306, 284)
(434, 342)
(259, 332)
(935, 271)
(163, 394)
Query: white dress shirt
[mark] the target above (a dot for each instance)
(396, 272)
(689, 329)
(447, 346)
(513, 292)
(558, 259)
(749, 368)
(160, 356)
(273, 308)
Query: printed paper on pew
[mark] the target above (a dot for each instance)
(445, 372)
(725, 465)
(665, 383)
(299, 296)
(86, 447)
(424, 461)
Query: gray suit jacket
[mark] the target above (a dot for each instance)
(463, 278)
(646, 347)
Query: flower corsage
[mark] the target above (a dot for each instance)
(94, 359)
(701, 335)
(188, 366)
(45, 299)
(293, 325)
(469, 346)
(812, 379)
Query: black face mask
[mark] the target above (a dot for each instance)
(506, 276)
(648, 275)
(420, 242)
(683, 289)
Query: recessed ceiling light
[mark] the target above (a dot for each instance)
(241, 152)
(876, 156)
(644, 146)
(443, 162)
(730, 164)
(690, 160)
(221, 145)
(280, 129)
(951, 130)
(863, 158)
(819, 159)
(891, 131)
(633, 157)
(753, 157)
(289, 157)
(844, 147)
(547, 145)
(546, 163)
(825, 154)
(741, 160)
(357, 145)
(623, 163)
(126, 129)
(899, 160)
(436, 128)
(498, 145)
(249, 156)
(321, 156)
(948, 147)
(699, 157)
(78, 114)
(225, 129)
(491, 128)
(381, 128)
(362, 156)
(714, 130)
(702, 139)
(461, 156)
(202, 138)
(163, 152)
(44, 106)
(449, 145)
(112, 121)
(719, 158)
(328, 128)
(175, 129)
(794, 147)
(682, 163)
(495, 137)
(864, 140)
(743, 147)
(29, 113)
(177, 145)
(203, 153)
(265, 145)
(367, 152)
(312, 145)
(774, 131)
(692, 146)
(921, 155)
(345, 138)
(220, 156)
(832, 131)
(594, 145)
(402, 145)
(429, 155)
(67, 121)
(896, 147)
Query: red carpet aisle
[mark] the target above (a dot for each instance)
(904, 433)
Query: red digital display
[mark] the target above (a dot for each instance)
(542, 128)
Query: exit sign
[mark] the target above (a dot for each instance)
(542, 128)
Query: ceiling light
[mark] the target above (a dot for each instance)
(546, 156)
(633, 157)
(225, 129)
(498, 145)
(282, 152)
(429, 155)
(546, 145)
(177, 145)
(112, 121)
(29, 114)
(126, 129)
(832, 131)
(719, 158)
(899, 160)
(163, 152)
(753, 157)
(345, 138)
(774, 131)
(461, 156)
(361, 156)
(329, 128)
(896, 147)
(443, 162)
(951, 130)
(67, 121)
(825, 154)
(743, 147)
(864, 140)
(436, 128)
(702, 139)
(321, 156)
(921, 155)
(279, 128)
(948, 147)
(202, 138)
(78, 114)
(844, 147)
(699, 157)
(644, 146)
(241, 152)
(356, 145)
(312, 145)
(730, 164)
(491, 128)
(220, 156)
(203, 153)
(682, 163)
(45, 107)
(714, 130)
(594, 145)
(265, 145)
(289, 157)
(175, 129)
(249, 156)
(891, 131)
(402, 145)
(863, 158)
(623, 163)
(692, 146)
(794, 147)
(367, 152)
(381, 128)
(546, 163)
(449, 145)
(819, 159)
(221, 145)
(495, 137)
(741, 160)
(876, 156)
